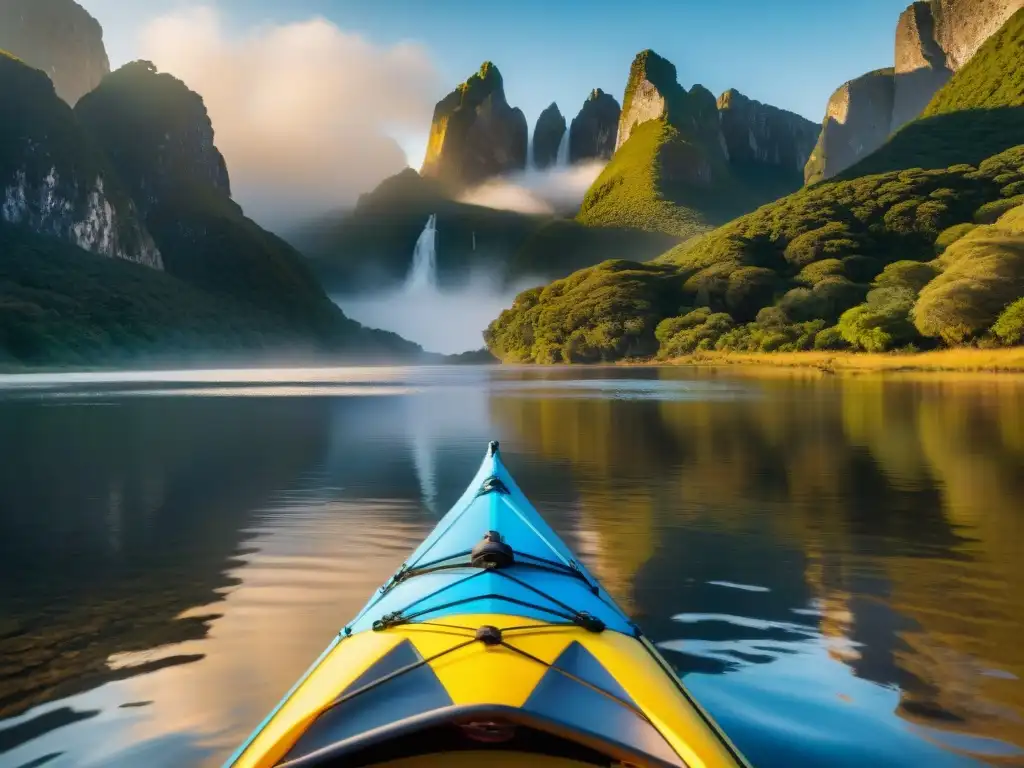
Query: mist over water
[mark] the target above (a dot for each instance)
(448, 322)
(453, 321)
(440, 321)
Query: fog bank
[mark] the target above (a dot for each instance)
(442, 321)
(555, 190)
(303, 112)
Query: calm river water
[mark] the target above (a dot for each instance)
(835, 566)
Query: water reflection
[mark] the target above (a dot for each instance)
(834, 565)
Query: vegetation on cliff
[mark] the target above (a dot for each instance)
(836, 265)
(62, 305)
(671, 173)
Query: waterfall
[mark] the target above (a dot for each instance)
(529, 154)
(563, 150)
(423, 272)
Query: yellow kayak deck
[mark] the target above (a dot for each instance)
(398, 696)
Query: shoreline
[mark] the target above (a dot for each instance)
(988, 361)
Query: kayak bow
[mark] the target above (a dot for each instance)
(490, 644)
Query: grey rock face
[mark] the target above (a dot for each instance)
(934, 39)
(475, 134)
(52, 178)
(856, 124)
(753, 132)
(547, 136)
(60, 38)
(594, 130)
(80, 213)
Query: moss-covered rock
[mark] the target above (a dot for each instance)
(60, 38)
(547, 136)
(475, 134)
(592, 135)
(157, 133)
(55, 180)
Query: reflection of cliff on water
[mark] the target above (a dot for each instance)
(891, 508)
(117, 516)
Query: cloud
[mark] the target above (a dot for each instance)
(552, 191)
(304, 113)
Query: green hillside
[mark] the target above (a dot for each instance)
(977, 114)
(60, 305)
(837, 264)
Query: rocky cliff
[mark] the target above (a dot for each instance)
(547, 136)
(856, 124)
(934, 39)
(593, 132)
(157, 133)
(756, 133)
(159, 138)
(979, 113)
(58, 37)
(54, 180)
(475, 134)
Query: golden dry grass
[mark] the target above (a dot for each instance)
(965, 360)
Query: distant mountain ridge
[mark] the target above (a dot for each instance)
(899, 253)
(133, 174)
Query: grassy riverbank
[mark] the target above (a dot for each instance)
(961, 360)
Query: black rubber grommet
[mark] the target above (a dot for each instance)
(589, 622)
(489, 635)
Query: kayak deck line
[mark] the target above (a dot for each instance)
(493, 640)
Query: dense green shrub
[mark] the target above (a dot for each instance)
(830, 338)
(699, 329)
(912, 275)
(882, 322)
(950, 235)
(1009, 328)
(984, 273)
(990, 212)
(749, 289)
(833, 240)
(814, 273)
